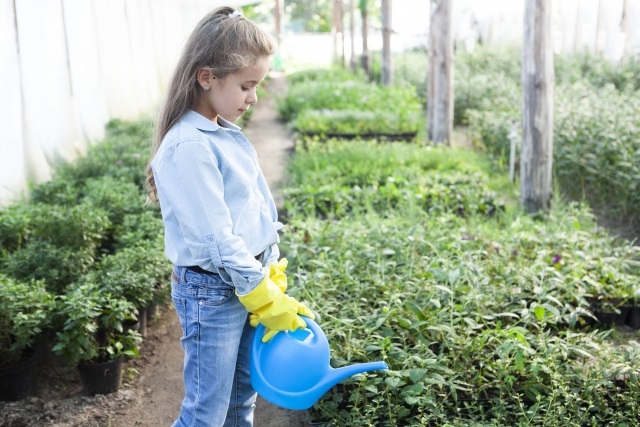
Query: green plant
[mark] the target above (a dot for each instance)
(354, 122)
(26, 309)
(93, 325)
(116, 196)
(56, 266)
(136, 273)
(346, 95)
(483, 320)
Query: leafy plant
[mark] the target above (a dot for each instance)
(26, 309)
(94, 328)
(354, 122)
(483, 320)
(56, 266)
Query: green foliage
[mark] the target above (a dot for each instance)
(136, 273)
(26, 308)
(137, 228)
(94, 325)
(332, 102)
(599, 142)
(346, 95)
(54, 244)
(86, 237)
(122, 154)
(595, 131)
(56, 266)
(310, 16)
(354, 122)
(335, 74)
(482, 320)
(597, 71)
(77, 227)
(341, 179)
(116, 196)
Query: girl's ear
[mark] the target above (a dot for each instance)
(205, 78)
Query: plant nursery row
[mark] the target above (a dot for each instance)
(82, 267)
(420, 256)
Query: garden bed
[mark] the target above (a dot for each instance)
(483, 315)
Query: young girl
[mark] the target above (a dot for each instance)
(221, 228)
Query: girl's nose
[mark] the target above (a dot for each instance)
(253, 97)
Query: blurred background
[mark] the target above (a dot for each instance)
(67, 67)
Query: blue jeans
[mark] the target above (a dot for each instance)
(216, 342)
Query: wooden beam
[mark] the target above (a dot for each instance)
(387, 64)
(440, 77)
(537, 107)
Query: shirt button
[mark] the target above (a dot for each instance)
(199, 302)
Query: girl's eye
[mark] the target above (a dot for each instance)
(244, 88)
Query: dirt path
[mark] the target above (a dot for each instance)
(152, 388)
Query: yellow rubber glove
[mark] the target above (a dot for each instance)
(276, 273)
(274, 309)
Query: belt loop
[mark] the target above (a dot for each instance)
(182, 272)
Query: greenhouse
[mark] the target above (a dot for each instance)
(449, 189)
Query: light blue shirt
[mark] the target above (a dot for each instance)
(216, 205)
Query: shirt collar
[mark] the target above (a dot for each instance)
(201, 122)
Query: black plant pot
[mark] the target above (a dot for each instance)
(152, 311)
(633, 317)
(142, 319)
(19, 381)
(101, 378)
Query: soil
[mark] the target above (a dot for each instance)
(152, 388)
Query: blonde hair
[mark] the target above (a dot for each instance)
(225, 41)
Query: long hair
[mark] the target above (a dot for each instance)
(226, 42)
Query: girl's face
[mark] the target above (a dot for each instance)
(231, 96)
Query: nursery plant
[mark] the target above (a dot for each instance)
(52, 243)
(26, 309)
(327, 103)
(483, 319)
(595, 130)
(94, 325)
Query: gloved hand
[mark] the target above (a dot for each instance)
(274, 309)
(276, 273)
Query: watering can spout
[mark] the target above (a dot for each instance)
(334, 376)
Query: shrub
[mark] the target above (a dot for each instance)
(94, 327)
(56, 266)
(135, 273)
(481, 320)
(354, 122)
(80, 226)
(26, 308)
(349, 95)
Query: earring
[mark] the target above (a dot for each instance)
(206, 88)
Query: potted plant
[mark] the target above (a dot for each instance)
(93, 335)
(25, 310)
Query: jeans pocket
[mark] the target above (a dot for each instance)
(181, 309)
(215, 297)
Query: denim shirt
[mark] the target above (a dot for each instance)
(216, 205)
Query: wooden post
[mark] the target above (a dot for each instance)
(338, 33)
(366, 60)
(387, 66)
(278, 12)
(353, 64)
(537, 107)
(440, 77)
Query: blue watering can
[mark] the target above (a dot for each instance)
(292, 370)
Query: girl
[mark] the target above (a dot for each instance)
(221, 228)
